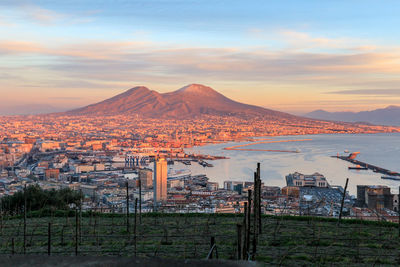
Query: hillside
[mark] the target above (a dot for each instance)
(385, 116)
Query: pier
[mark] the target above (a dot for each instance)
(374, 168)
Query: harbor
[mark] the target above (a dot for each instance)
(360, 165)
(314, 156)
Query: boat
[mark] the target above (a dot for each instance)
(358, 167)
(390, 178)
(346, 151)
(205, 164)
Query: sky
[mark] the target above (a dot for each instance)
(294, 56)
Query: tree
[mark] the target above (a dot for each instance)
(38, 199)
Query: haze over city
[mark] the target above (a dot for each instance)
(291, 56)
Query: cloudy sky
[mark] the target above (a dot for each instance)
(294, 56)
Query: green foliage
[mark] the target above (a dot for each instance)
(39, 199)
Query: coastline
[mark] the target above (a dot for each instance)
(315, 156)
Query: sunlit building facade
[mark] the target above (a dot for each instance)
(160, 180)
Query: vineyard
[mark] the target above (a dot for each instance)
(283, 241)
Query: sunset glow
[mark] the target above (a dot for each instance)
(291, 56)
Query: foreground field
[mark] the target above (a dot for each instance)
(288, 241)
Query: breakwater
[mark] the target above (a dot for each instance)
(374, 168)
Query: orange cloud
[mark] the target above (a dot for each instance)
(20, 47)
(274, 75)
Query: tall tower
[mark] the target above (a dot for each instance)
(160, 180)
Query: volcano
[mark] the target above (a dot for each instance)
(191, 101)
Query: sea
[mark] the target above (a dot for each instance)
(314, 155)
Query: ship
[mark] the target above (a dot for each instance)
(390, 178)
(353, 155)
(358, 167)
(205, 164)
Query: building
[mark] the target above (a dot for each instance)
(99, 167)
(82, 168)
(231, 185)
(146, 195)
(52, 174)
(303, 180)
(49, 145)
(160, 180)
(175, 183)
(291, 191)
(146, 177)
(374, 197)
(360, 202)
(212, 186)
(270, 191)
(30, 140)
(97, 146)
(396, 202)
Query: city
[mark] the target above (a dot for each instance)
(103, 157)
(199, 133)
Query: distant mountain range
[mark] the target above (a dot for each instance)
(385, 116)
(191, 101)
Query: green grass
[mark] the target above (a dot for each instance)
(285, 240)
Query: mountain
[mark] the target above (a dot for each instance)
(385, 116)
(193, 100)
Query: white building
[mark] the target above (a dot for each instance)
(311, 180)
